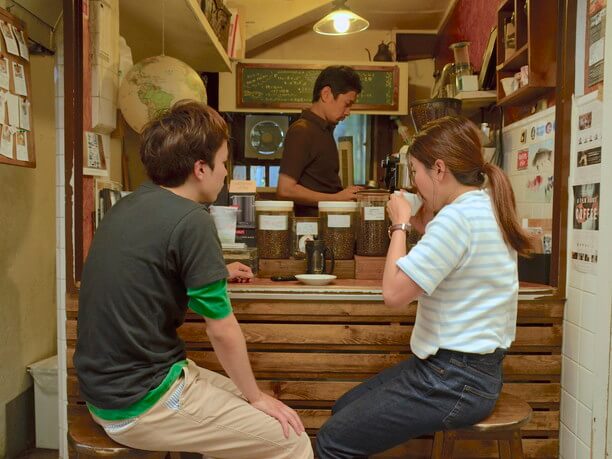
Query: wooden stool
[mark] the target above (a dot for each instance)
(89, 439)
(504, 424)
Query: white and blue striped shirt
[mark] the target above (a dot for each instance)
(470, 278)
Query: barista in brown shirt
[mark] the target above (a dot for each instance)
(309, 167)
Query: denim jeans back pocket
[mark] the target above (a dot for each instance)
(435, 367)
(473, 406)
(489, 370)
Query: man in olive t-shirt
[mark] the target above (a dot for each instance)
(155, 253)
(309, 166)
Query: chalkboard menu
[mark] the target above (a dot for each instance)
(290, 86)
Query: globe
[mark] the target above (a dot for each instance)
(152, 85)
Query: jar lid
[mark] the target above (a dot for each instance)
(335, 205)
(274, 205)
(378, 195)
(373, 191)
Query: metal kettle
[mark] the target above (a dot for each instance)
(383, 53)
(317, 256)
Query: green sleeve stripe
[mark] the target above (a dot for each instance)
(145, 403)
(210, 300)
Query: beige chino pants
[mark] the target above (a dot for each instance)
(204, 412)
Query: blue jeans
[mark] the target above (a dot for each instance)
(416, 397)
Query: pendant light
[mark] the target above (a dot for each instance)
(341, 21)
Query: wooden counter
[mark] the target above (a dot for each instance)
(308, 345)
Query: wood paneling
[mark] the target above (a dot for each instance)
(309, 353)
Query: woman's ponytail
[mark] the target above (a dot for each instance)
(505, 210)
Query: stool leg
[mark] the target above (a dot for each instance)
(438, 443)
(448, 445)
(505, 451)
(516, 445)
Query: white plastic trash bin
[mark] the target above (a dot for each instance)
(46, 402)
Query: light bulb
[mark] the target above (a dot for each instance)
(341, 23)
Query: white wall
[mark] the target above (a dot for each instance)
(27, 266)
(586, 345)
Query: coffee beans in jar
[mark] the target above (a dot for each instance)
(273, 231)
(338, 220)
(372, 236)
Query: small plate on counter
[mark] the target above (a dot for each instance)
(315, 279)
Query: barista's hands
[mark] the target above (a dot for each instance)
(348, 194)
(239, 272)
(281, 412)
(399, 209)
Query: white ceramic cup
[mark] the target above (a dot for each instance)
(414, 199)
(508, 84)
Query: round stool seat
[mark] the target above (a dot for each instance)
(89, 439)
(503, 425)
(510, 413)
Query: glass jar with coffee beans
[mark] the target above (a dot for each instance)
(273, 230)
(338, 220)
(372, 237)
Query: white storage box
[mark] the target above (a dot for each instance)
(44, 373)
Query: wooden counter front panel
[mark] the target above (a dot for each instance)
(309, 353)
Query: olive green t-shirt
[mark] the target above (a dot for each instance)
(149, 249)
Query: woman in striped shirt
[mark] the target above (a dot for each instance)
(464, 274)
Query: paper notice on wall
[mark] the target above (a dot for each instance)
(24, 113)
(585, 176)
(596, 33)
(586, 207)
(585, 233)
(4, 73)
(12, 105)
(21, 42)
(94, 162)
(586, 167)
(21, 145)
(584, 251)
(9, 38)
(19, 80)
(3, 96)
(6, 141)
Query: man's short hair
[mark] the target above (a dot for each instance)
(171, 144)
(340, 78)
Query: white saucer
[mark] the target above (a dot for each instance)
(315, 279)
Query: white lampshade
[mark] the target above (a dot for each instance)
(341, 21)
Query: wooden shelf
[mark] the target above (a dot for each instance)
(188, 34)
(537, 49)
(473, 101)
(516, 61)
(524, 96)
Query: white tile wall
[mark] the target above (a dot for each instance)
(61, 245)
(567, 442)
(569, 376)
(583, 427)
(582, 450)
